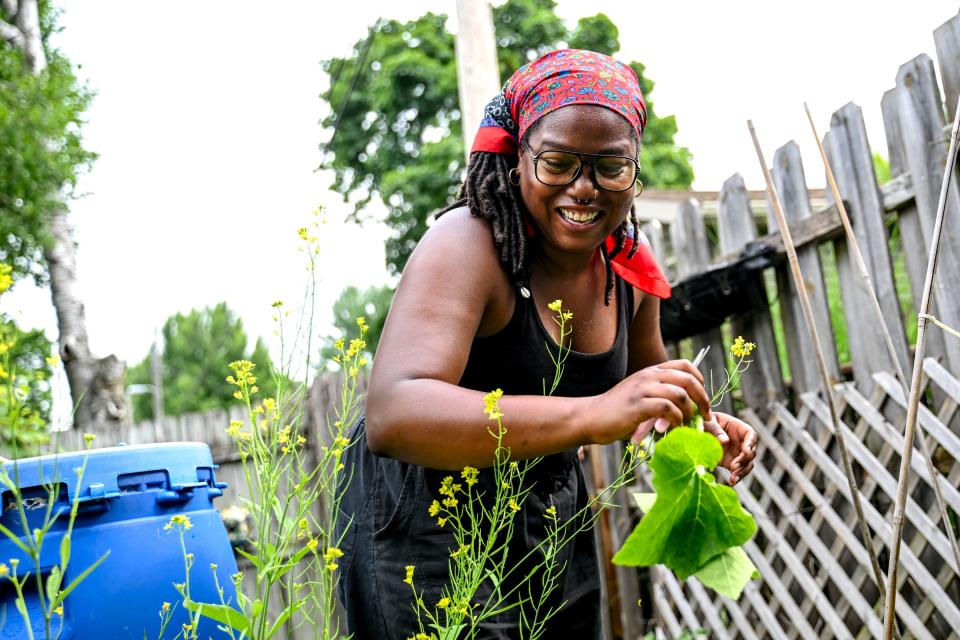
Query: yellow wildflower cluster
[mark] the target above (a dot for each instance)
(449, 488)
(234, 429)
(312, 544)
(4, 569)
(512, 504)
(557, 307)
(179, 520)
(6, 277)
(423, 636)
(741, 348)
(409, 578)
(469, 475)
(303, 529)
(330, 557)
(459, 552)
(491, 404)
(551, 512)
(243, 370)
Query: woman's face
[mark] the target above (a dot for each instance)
(577, 217)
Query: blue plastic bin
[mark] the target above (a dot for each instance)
(127, 496)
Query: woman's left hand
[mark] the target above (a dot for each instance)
(739, 442)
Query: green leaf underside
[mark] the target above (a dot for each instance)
(728, 573)
(644, 501)
(693, 519)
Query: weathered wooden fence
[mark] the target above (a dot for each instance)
(815, 577)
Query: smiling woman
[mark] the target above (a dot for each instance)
(547, 199)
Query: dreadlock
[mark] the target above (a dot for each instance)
(489, 194)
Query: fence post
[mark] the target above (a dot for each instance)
(763, 382)
(790, 181)
(850, 157)
(920, 116)
(689, 235)
(947, 40)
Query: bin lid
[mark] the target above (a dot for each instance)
(180, 461)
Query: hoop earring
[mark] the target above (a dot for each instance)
(640, 190)
(514, 177)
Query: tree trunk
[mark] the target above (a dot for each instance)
(96, 385)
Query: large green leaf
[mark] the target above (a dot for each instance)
(728, 573)
(693, 518)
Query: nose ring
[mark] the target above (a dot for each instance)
(589, 200)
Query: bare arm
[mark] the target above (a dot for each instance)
(417, 413)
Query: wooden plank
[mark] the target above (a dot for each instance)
(790, 182)
(946, 37)
(762, 613)
(689, 236)
(917, 516)
(931, 425)
(944, 379)
(909, 561)
(798, 621)
(897, 193)
(763, 381)
(920, 113)
(662, 601)
(894, 441)
(862, 608)
(708, 609)
(690, 620)
(838, 525)
(852, 162)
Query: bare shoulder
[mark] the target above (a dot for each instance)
(459, 229)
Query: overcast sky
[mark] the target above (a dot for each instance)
(206, 122)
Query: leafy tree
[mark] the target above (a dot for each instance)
(197, 347)
(371, 303)
(41, 114)
(396, 124)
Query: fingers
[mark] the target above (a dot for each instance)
(644, 429)
(712, 426)
(738, 475)
(691, 385)
(685, 366)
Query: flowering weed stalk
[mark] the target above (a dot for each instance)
(295, 552)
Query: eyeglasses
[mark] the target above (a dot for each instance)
(560, 168)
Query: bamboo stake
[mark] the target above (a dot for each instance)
(914, 402)
(821, 361)
(867, 283)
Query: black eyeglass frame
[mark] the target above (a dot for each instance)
(536, 158)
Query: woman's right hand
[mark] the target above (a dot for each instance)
(664, 395)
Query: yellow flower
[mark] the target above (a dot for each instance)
(555, 305)
(52, 360)
(434, 508)
(362, 323)
(450, 503)
(238, 395)
(165, 607)
(213, 566)
(234, 429)
(332, 566)
(566, 315)
(444, 603)
(59, 611)
(513, 505)
(277, 303)
(441, 521)
(332, 554)
(6, 277)
(179, 520)
(491, 404)
(409, 579)
(740, 348)
(89, 437)
(551, 512)
(4, 569)
(312, 544)
(469, 474)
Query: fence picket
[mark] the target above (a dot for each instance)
(763, 382)
(947, 40)
(689, 236)
(791, 185)
(852, 161)
(921, 120)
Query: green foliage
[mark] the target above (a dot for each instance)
(195, 347)
(371, 303)
(728, 573)
(25, 374)
(42, 151)
(395, 113)
(881, 167)
(693, 519)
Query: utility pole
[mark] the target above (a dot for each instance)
(477, 76)
(156, 369)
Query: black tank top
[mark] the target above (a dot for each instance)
(515, 358)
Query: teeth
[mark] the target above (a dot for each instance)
(577, 216)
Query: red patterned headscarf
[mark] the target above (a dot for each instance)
(559, 79)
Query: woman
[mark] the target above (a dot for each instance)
(549, 188)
